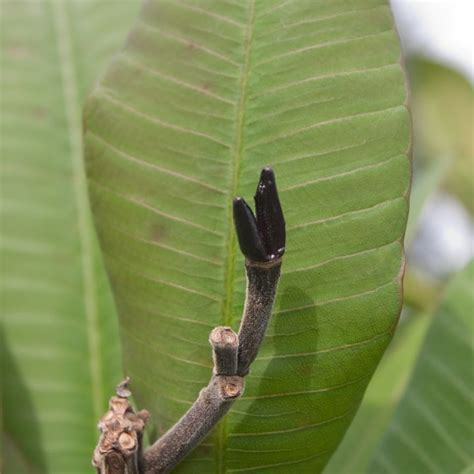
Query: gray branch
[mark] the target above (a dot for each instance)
(211, 405)
(262, 281)
(233, 355)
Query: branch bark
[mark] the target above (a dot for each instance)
(262, 241)
(119, 450)
(233, 355)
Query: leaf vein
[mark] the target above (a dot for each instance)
(108, 96)
(160, 169)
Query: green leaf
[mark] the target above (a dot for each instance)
(432, 429)
(205, 94)
(59, 344)
(381, 399)
(13, 460)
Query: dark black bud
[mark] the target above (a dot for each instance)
(263, 238)
(248, 235)
(270, 220)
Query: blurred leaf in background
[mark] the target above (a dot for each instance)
(440, 234)
(60, 353)
(442, 101)
(432, 430)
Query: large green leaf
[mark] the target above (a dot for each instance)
(204, 94)
(432, 430)
(59, 347)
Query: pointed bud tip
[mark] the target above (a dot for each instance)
(267, 175)
(240, 206)
(270, 219)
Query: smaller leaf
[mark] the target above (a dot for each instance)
(432, 429)
(442, 102)
(381, 398)
(425, 183)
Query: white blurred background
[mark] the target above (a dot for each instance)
(440, 29)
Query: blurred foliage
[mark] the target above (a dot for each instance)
(59, 345)
(381, 398)
(432, 429)
(442, 102)
(425, 182)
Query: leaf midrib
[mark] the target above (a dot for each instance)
(231, 238)
(72, 115)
